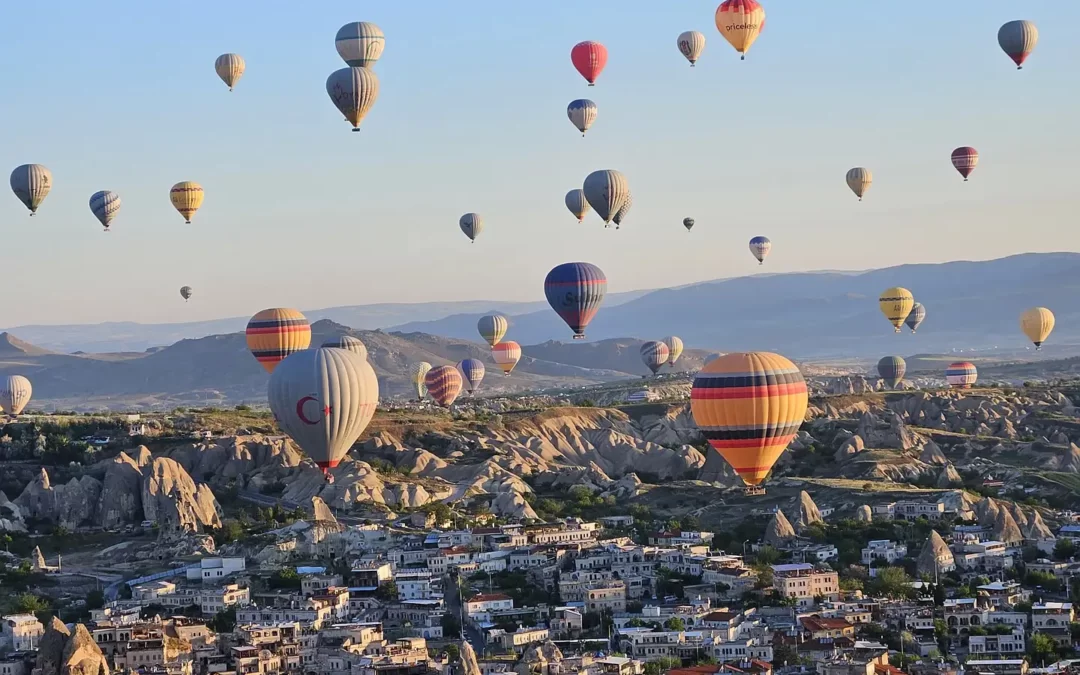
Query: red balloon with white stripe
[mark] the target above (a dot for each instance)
(654, 354)
(964, 160)
(506, 355)
(443, 384)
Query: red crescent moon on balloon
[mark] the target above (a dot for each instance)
(300, 409)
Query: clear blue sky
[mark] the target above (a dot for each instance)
(301, 212)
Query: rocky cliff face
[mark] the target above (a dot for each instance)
(63, 652)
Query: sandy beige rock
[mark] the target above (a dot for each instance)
(809, 514)
(82, 656)
(779, 530)
(50, 657)
(935, 556)
(864, 514)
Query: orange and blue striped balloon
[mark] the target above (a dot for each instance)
(275, 333)
(961, 375)
(443, 384)
(749, 406)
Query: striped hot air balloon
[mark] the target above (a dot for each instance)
(15, 393)
(892, 369)
(918, 313)
(349, 343)
(961, 375)
(492, 328)
(896, 303)
(473, 372)
(859, 180)
(274, 334)
(186, 197)
(589, 58)
(688, 223)
(749, 406)
(964, 160)
(691, 43)
(353, 91)
(417, 373)
(360, 44)
(31, 184)
(575, 291)
(230, 68)
(740, 22)
(1018, 39)
(620, 215)
(472, 225)
(606, 191)
(105, 205)
(675, 349)
(654, 354)
(1037, 323)
(577, 204)
(506, 355)
(443, 384)
(760, 247)
(185, 292)
(582, 114)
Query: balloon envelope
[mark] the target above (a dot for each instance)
(606, 190)
(417, 372)
(575, 291)
(353, 91)
(324, 399)
(360, 43)
(859, 180)
(896, 303)
(740, 22)
(760, 247)
(749, 406)
(577, 204)
(230, 68)
(918, 313)
(964, 160)
(492, 328)
(472, 225)
(473, 372)
(675, 348)
(348, 343)
(276, 333)
(688, 223)
(31, 184)
(15, 393)
(892, 369)
(961, 375)
(506, 355)
(691, 43)
(186, 197)
(443, 384)
(105, 205)
(185, 292)
(1018, 39)
(1037, 323)
(620, 215)
(589, 58)
(582, 114)
(654, 354)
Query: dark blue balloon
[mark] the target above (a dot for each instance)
(575, 291)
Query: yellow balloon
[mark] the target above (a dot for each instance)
(186, 197)
(896, 304)
(1037, 323)
(740, 22)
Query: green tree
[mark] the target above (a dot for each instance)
(893, 582)
(451, 627)
(941, 632)
(1041, 648)
(95, 599)
(675, 623)
(766, 555)
(661, 665)
(387, 591)
(286, 577)
(939, 595)
(28, 603)
(224, 621)
(1064, 549)
(125, 592)
(452, 652)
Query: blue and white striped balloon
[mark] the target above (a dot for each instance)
(760, 247)
(360, 44)
(582, 113)
(105, 205)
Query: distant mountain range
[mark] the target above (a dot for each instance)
(219, 370)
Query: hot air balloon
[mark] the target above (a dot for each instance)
(31, 184)
(360, 44)
(578, 205)
(760, 247)
(417, 372)
(620, 215)
(472, 225)
(582, 114)
(688, 223)
(896, 304)
(348, 343)
(675, 349)
(918, 313)
(961, 375)
(105, 205)
(575, 291)
(353, 91)
(443, 384)
(892, 369)
(186, 197)
(1018, 39)
(274, 334)
(749, 406)
(589, 58)
(492, 328)
(185, 292)
(859, 180)
(506, 355)
(691, 43)
(606, 190)
(740, 22)
(964, 160)
(15, 392)
(230, 68)
(1037, 323)
(324, 399)
(654, 354)
(473, 371)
